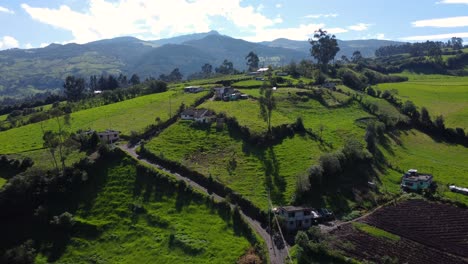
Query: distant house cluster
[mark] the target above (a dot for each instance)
(414, 181)
(193, 89)
(198, 115)
(228, 94)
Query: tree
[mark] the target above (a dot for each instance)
(225, 68)
(435, 53)
(357, 56)
(425, 117)
(324, 47)
(175, 75)
(135, 79)
(74, 88)
(455, 43)
(252, 61)
(206, 69)
(267, 104)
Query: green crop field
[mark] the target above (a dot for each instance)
(440, 94)
(374, 231)
(242, 167)
(173, 227)
(416, 150)
(130, 115)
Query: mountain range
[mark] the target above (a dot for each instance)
(27, 71)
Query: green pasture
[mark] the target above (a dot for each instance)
(440, 94)
(43, 159)
(244, 168)
(173, 227)
(415, 150)
(130, 115)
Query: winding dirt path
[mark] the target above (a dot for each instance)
(277, 256)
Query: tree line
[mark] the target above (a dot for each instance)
(420, 49)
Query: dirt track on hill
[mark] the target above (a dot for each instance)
(277, 256)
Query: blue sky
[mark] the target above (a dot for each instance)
(35, 23)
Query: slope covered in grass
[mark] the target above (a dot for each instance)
(146, 220)
(440, 94)
(414, 149)
(239, 165)
(130, 115)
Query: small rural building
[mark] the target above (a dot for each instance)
(297, 218)
(262, 70)
(198, 115)
(414, 181)
(227, 93)
(97, 92)
(193, 89)
(109, 136)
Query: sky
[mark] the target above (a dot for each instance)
(37, 23)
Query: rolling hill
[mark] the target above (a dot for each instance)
(25, 72)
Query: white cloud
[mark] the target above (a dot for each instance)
(6, 10)
(43, 45)
(359, 27)
(321, 15)
(302, 32)
(28, 46)
(8, 42)
(436, 37)
(278, 5)
(153, 18)
(278, 19)
(380, 36)
(461, 21)
(453, 2)
(335, 30)
(260, 7)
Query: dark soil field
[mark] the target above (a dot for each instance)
(436, 225)
(362, 246)
(429, 233)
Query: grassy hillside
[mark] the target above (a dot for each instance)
(131, 115)
(414, 149)
(440, 94)
(144, 221)
(242, 167)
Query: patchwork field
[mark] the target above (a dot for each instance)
(440, 94)
(131, 115)
(414, 149)
(170, 226)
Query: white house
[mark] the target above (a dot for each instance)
(198, 115)
(297, 217)
(193, 89)
(109, 136)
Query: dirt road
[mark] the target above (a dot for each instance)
(277, 256)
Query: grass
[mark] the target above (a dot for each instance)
(440, 94)
(2, 182)
(130, 115)
(242, 167)
(375, 232)
(199, 234)
(414, 149)
(43, 160)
